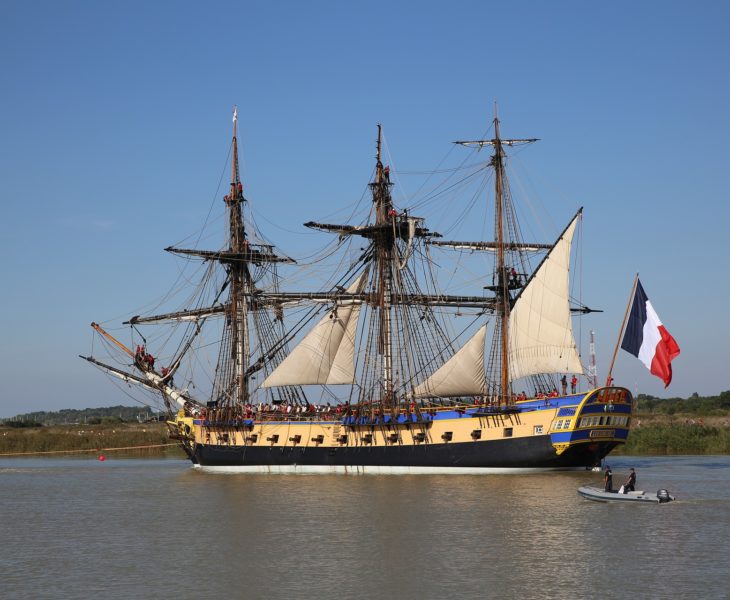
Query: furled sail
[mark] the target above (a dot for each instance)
(326, 355)
(461, 375)
(540, 329)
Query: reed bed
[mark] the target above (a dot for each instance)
(73, 438)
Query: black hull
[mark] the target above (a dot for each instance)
(535, 452)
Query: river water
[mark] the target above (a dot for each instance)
(145, 528)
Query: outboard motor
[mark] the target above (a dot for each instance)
(663, 496)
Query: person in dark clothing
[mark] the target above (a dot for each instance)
(608, 479)
(630, 485)
(564, 383)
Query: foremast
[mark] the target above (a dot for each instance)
(245, 314)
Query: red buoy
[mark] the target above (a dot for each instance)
(102, 457)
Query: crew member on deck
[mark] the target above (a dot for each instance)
(573, 384)
(564, 383)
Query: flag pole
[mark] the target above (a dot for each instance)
(621, 332)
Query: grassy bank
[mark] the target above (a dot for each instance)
(678, 434)
(72, 438)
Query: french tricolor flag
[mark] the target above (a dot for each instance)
(647, 339)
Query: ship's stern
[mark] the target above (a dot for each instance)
(594, 427)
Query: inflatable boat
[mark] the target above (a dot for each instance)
(599, 495)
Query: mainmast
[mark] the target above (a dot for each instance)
(384, 257)
(401, 337)
(503, 281)
(240, 277)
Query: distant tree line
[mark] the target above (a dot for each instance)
(91, 416)
(695, 404)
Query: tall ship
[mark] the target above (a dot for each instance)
(382, 369)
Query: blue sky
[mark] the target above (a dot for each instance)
(115, 122)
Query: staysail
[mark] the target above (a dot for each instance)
(462, 375)
(326, 355)
(540, 328)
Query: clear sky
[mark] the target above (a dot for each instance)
(115, 128)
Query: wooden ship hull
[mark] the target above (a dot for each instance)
(574, 431)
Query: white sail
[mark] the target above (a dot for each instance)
(540, 328)
(461, 375)
(326, 355)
